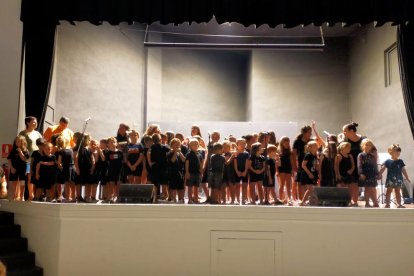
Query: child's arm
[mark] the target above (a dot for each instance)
(351, 170)
(59, 161)
(238, 173)
(295, 160)
(306, 169)
(320, 165)
(338, 159)
(381, 171)
(38, 171)
(245, 168)
(319, 140)
(229, 159)
(101, 154)
(360, 172)
(404, 171)
(187, 173)
(76, 161)
(21, 154)
(181, 156)
(93, 163)
(268, 173)
(12, 169)
(139, 161)
(149, 158)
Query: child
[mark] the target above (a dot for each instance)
(271, 162)
(114, 158)
(46, 172)
(256, 167)
(135, 158)
(3, 184)
(344, 170)
(17, 163)
(309, 175)
(66, 172)
(395, 171)
(36, 156)
(327, 176)
(284, 170)
(175, 163)
(216, 171)
(101, 169)
(193, 171)
(368, 171)
(240, 167)
(84, 163)
(146, 172)
(157, 159)
(91, 189)
(229, 177)
(298, 150)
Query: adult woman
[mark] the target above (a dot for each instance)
(355, 139)
(298, 150)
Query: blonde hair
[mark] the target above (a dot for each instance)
(281, 148)
(112, 139)
(394, 147)
(175, 141)
(23, 142)
(193, 141)
(365, 141)
(343, 145)
(271, 148)
(134, 133)
(152, 129)
(310, 144)
(61, 142)
(241, 140)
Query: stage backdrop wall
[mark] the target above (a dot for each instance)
(10, 56)
(378, 109)
(200, 240)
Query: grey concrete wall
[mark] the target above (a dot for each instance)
(379, 110)
(203, 85)
(301, 86)
(10, 54)
(99, 74)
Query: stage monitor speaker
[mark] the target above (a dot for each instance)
(135, 193)
(329, 196)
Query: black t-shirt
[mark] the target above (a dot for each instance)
(159, 155)
(217, 162)
(184, 150)
(134, 151)
(66, 157)
(194, 162)
(356, 148)
(258, 162)
(47, 170)
(272, 167)
(241, 161)
(100, 163)
(299, 146)
(114, 159)
(312, 164)
(85, 158)
(176, 166)
(36, 156)
(17, 162)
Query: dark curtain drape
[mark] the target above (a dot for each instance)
(38, 43)
(405, 44)
(40, 18)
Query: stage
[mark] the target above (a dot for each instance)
(90, 239)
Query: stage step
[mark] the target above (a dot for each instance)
(13, 249)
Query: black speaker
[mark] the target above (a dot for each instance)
(135, 193)
(329, 196)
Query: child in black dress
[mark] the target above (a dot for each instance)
(46, 172)
(240, 167)
(344, 166)
(101, 168)
(216, 170)
(17, 163)
(284, 170)
(256, 166)
(66, 172)
(84, 162)
(175, 164)
(229, 179)
(115, 160)
(270, 173)
(146, 173)
(309, 175)
(157, 159)
(135, 158)
(36, 156)
(90, 190)
(368, 171)
(193, 171)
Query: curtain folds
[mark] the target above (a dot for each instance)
(405, 44)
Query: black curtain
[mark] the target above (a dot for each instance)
(38, 43)
(405, 44)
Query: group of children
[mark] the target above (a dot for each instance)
(235, 171)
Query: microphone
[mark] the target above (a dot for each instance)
(87, 119)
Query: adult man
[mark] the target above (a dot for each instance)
(60, 129)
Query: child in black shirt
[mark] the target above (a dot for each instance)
(175, 164)
(66, 172)
(36, 156)
(256, 166)
(46, 172)
(310, 173)
(17, 163)
(157, 159)
(101, 167)
(114, 158)
(270, 173)
(193, 171)
(134, 158)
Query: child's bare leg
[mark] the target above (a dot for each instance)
(374, 196)
(232, 188)
(398, 195)
(21, 190)
(252, 192)
(367, 195)
(388, 197)
(237, 192)
(190, 193)
(260, 191)
(195, 194)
